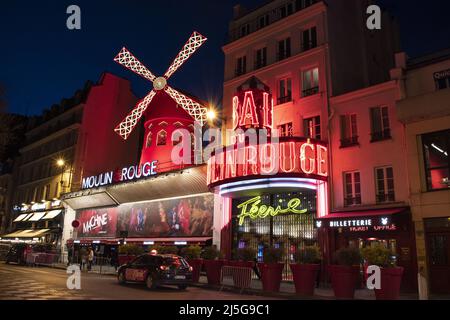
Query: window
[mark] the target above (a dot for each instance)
(286, 130)
(352, 188)
(57, 185)
(310, 83)
(379, 117)
(302, 4)
(261, 58)
(245, 30)
(349, 130)
(286, 10)
(284, 49)
(46, 192)
(312, 127)
(263, 21)
(148, 142)
(442, 79)
(241, 66)
(162, 138)
(384, 180)
(436, 159)
(309, 39)
(284, 90)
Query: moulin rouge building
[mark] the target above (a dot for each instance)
(327, 180)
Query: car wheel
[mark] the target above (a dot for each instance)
(182, 286)
(150, 282)
(121, 278)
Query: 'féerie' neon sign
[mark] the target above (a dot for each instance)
(257, 210)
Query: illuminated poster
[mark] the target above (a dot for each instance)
(190, 217)
(97, 222)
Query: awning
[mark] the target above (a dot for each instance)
(37, 216)
(169, 241)
(51, 214)
(27, 233)
(20, 217)
(27, 217)
(365, 213)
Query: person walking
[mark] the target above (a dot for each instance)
(90, 258)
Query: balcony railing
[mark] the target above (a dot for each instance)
(240, 71)
(349, 142)
(310, 92)
(260, 64)
(352, 201)
(273, 16)
(308, 45)
(284, 99)
(381, 135)
(283, 55)
(388, 197)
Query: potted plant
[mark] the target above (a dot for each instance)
(345, 274)
(129, 252)
(244, 257)
(305, 270)
(192, 255)
(271, 269)
(213, 266)
(391, 275)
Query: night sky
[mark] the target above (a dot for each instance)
(42, 62)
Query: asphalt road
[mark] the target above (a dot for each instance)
(41, 283)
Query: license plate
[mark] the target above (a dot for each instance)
(180, 277)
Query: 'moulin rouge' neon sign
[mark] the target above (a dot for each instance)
(253, 209)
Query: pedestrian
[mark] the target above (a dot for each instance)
(255, 268)
(90, 258)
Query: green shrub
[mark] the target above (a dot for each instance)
(245, 254)
(191, 252)
(168, 250)
(308, 255)
(378, 255)
(348, 256)
(131, 249)
(272, 255)
(210, 253)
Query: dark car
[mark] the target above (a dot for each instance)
(16, 253)
(155, 270)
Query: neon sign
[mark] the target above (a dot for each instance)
(253, 109)
(253, 209)
(126, 174)
(301, 157)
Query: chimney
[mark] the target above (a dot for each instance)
(238, 11)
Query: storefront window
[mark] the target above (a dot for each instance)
(437, 162)
(288, 231)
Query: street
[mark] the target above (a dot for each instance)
(41, 283)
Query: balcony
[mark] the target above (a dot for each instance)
(284, 99)
(349, 142)
(273, 16)
(388, 197)
(352, 201)
(380, 135)
(310, 92)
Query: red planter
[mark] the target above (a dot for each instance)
(391, 279)
(304, 276)
(344, 280)
(213, 269)
(271, 274)
(196, 265)
(124, 259)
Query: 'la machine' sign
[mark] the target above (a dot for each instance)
(125, 174)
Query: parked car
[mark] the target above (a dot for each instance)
(155, 270)
(17, 253)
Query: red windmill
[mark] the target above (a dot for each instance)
(194, 109)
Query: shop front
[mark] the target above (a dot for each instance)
(390, 227)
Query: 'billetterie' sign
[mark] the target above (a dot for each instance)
(125, 174)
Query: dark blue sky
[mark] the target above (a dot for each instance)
(41, 61)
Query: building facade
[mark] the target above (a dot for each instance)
(424, 109)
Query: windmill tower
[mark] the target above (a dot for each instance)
(164, 115)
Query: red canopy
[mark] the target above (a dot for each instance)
(365, 213)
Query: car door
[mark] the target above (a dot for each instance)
(137, 270)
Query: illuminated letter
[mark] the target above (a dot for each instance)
(267, 111)
(290, 158)
(236, 113)
(304, 158)
(248, 110)
(322, 169)
(269, 160)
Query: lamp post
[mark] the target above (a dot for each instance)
(62, 164)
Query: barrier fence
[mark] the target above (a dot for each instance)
(242, 276)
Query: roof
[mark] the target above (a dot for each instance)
(429, 58)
